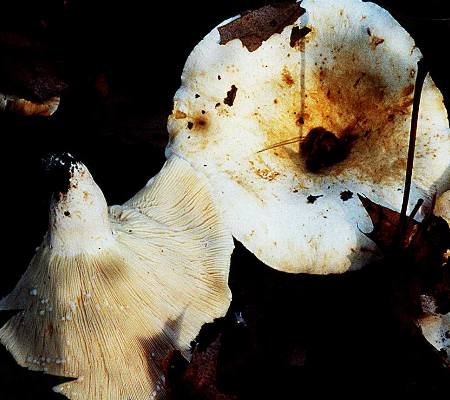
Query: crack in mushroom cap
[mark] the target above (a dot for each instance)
(111, 291)
(353, 74)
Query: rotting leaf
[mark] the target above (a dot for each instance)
(424, 242)
(257, 26)
(197, 379)
(231, 95)
(385, 224)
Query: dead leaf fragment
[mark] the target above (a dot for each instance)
(253, 28)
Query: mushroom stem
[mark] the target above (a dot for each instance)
(422, 71)
(78, 220)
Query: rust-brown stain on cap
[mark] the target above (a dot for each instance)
(333, 101)
(287, 77)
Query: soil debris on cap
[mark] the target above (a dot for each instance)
(346, 195)
(231, 95)
(312, 199)
(255, 27)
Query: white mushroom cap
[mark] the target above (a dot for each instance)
(107, 296)
(442, 207)
(435, 327)
(353, 74)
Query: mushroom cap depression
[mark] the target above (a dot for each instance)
(111, 291)
(340, 75)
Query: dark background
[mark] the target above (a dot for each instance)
(120, 65)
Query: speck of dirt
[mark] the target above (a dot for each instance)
(346, 195)
(58, 170)
(231, 95)
(190, 125)
(311, 199)
(67, 213)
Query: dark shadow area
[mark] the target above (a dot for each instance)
(301, 336)
(21, 383)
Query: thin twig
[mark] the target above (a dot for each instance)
(422, 71)
(416, 208)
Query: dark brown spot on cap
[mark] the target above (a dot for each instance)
(257, 26)
(231, 95)
(200, 122)
(375, 41)
(322, 148)
(358, 80)
(300, 121)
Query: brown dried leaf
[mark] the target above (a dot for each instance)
(385, 225)
(425, 242)
(259, 25)
(197, 379)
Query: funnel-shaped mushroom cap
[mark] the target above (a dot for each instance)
(341, 78)
(107, 295)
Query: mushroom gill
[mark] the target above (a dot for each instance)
(111, 290)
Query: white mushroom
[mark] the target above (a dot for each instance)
(341, 80)
(442, 208)
(110, 292)
(435, 327)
